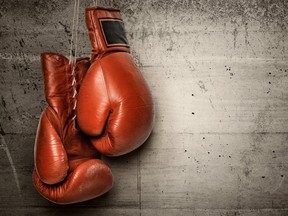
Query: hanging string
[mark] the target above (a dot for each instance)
(74, 41)
(74, 45)
(76, 33)
(73, 29)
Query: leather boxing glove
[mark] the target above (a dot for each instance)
(115, 105)
(67, 166)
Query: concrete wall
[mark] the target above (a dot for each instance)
(218, 70)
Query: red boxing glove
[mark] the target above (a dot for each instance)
(115, 105)
(67, 166)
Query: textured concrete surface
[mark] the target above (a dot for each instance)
(218, 70)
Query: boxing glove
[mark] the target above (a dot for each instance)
(115, 106)
(67, 166)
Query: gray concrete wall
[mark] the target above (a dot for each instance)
(219, 73)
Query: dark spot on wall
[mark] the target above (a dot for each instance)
(235, 34)
(185, 150)
(1, 130)
(274, 155)
(9, 117)
(131, 35)
(192, 95)
(21, 42)
(66, 28)
(129, 12)
(169, 49)
(202, 86)
(3, 102)
(282, 176)
(13, 98)
(193, 113)
(203, 138)
(247, 171)
(35, 87)
(263, 177)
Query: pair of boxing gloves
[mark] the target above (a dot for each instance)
(98, 106)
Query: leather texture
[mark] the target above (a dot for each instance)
(115, 106)
(68, 168)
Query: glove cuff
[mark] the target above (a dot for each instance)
(106, 30)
